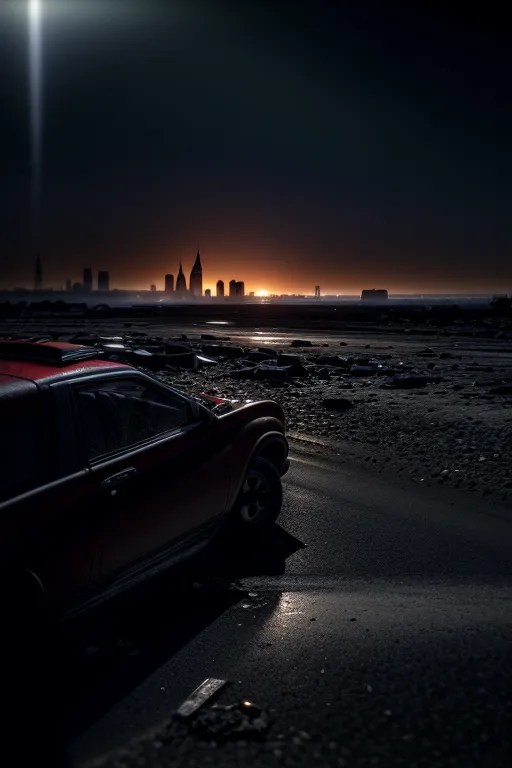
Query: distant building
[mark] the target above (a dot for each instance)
(251, 295)
(239, 288)
(77, 287)
(169, 283)
(208, 293)
(152, 287)
(317, 291)
(38, 276)
(196, 277)
(103, 281)
(374, 294)
(181, 283)
(68, 284)
(232, 287)
(220, 288)
(88, 279)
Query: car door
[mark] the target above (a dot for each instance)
(162, 481)
(45, 504)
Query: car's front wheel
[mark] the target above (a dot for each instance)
(261, 496)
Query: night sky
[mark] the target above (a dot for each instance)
(294, 143)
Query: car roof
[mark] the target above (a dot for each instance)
(27, 362)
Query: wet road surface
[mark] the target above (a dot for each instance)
(373, 626)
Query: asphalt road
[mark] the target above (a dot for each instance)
(373, 626)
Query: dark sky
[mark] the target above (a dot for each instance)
(295, 143)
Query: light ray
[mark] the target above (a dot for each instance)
(35, 105)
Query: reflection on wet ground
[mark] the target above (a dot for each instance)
(90, 666)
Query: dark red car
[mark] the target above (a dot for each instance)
(107, 476)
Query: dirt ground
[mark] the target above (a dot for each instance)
(455, 429)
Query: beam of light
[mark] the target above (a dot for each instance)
(35, 106)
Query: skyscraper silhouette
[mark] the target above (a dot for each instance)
(169, 283)
(240, 288)
(196, 277)
(220, 287)
(38, 277)
(181, 283)
(232, 287)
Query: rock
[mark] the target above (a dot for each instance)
(188, 360)
(212, 337)
(272, 372)
(222, 350)
(323, 373)
(337, 404)
(332, 360)
(294, 363)
(301, 343)
(177, 349)
(259, 357)
(206, 362)
(343, 344)
(242, 373)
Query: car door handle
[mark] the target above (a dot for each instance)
(119, 478)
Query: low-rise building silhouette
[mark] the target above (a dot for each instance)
(374, 294)
(103, 280)
(87, 279)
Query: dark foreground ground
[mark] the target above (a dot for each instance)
(372, 626)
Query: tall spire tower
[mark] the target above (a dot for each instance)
(196, 277)
(38, 275)
(181, 283)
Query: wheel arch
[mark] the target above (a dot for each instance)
(271, 446)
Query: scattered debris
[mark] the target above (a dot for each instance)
(234, 722)
(200, 696)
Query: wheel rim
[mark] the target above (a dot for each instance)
(255, 496)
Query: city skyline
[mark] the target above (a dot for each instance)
(92, 278)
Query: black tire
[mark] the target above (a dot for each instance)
(261, 497)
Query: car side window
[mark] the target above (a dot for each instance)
(121, 413)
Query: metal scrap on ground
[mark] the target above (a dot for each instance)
(200, 696)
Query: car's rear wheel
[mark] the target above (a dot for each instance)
(261, 496)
